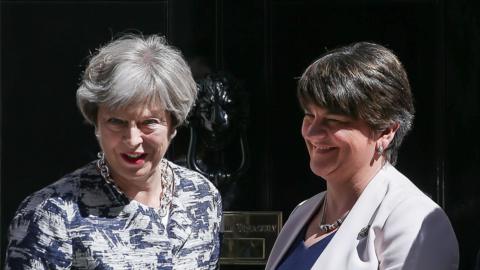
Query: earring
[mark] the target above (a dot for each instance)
(380, 150)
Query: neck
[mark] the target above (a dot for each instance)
(342, 194)
(147, 192)
(147, 197)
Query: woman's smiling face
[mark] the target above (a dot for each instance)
(338, 145)
(134, 141)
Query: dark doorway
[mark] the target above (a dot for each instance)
(266, 45)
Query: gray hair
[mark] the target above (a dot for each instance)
(364, 81)
(136, 70)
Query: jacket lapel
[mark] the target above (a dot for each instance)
(297, 220)
(356, 226)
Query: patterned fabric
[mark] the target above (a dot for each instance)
(83, 222)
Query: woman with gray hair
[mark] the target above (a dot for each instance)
(131, 208)
(358, 108)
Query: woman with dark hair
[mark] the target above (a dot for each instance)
(358, 108)
(131, 208)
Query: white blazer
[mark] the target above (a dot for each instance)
(393, 225)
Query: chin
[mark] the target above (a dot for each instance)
(137, 174)
(143, 172)
(321, 170)
(318, 171)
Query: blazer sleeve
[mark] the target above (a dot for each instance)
(417, 235)
(216, 222)
(201, 248)
(38, 237)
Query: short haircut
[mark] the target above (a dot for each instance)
(363, 81)
(137, 70)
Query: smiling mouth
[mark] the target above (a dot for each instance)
(134, 158)
(323, 149)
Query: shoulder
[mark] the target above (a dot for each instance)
(404, 201)
(196, 192)
(199, 199)
(40, 227)
(420, 229)
(191, 182)
(307, 206)
(58, 196)
(401, 194)
(310, 202)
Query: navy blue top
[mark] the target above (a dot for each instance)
(301, 257)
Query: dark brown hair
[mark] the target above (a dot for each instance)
(363, 81)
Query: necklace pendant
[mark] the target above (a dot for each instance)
(326, 228)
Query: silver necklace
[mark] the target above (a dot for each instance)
(167, 182)
(326, 228)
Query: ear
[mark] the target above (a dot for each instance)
(387, 135)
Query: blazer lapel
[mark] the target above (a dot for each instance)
(297, 220)
(356, 226)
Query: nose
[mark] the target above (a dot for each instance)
(133, 136)
(313, 129)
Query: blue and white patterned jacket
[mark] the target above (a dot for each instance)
(83, 222)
